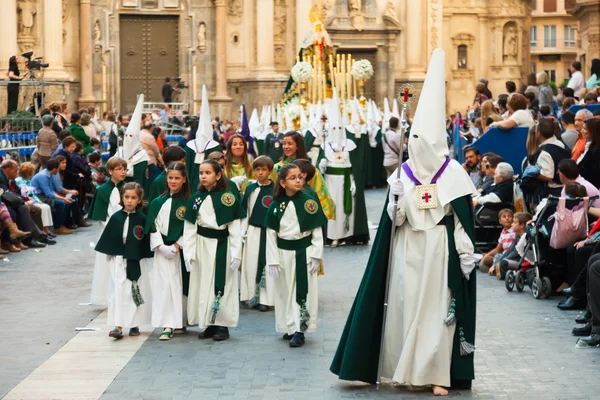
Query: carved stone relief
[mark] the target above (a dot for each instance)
(510, 41)
(434, 38)
(27, 12)
(97, 36)
(202, 37)
(390, 15)
(357, 16)
(235, 11)
(280, 31)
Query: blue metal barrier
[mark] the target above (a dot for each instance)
(509, 144)
(591, 107)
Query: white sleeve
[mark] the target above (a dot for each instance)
(189, 241)
(156, 240)
(272, 250)
(488, 198)
(235, 239)
(463, 242)
(317, 244)
(546, 164)
(400, 211)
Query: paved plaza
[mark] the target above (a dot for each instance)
(525, 349)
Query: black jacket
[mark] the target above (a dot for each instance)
(589, 167)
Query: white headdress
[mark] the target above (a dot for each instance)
(131, 141)
(204, 134)
(387, 114)
(336, 138)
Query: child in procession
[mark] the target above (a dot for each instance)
(213, 251)
(165, 226)
(106, 201)
(125, 246)
(159, 186)
(256, 285)
(294, 253)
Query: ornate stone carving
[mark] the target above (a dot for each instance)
(65, 10)
(202, 37)
(27, 12)
(280, 20)
(390, 16)
(434, 38)
(462, 74)
(235, 11)
(357, 17)
(97, 36)
(510, 49)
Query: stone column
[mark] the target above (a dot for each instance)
(221, 48)
(303, 27)
(53, 43)
(416, 44)
(8, 32)
(86, 94)
(265, 55)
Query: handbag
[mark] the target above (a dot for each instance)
(569, 225)
(12, 200)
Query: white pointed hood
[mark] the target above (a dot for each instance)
(428, 151)
(387, 114)
(254, 124)
(355, 127)
(372, 125)
(396, 110)
(336, 137)
(303, 122)
(131, 141)
(204, 134)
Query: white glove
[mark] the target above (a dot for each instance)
(313, 266)
(353, 188)
(323, 165)
(467, 263)
(239, 180)
(188, 265)
(397, 188)
(274, 271)
(235, 264)
(244, 234)
(168, 252)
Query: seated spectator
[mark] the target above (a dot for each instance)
(511, 256)
(88, 127)
(480, 97)
(47, 141)
(568, 172)
(589, 161)
(569, 93)
(95, 143)
(580, 117)
(95, 164)
(570, 134)
(590, 98)
(511, 87)
(593, 340)
(550, 153)
(61, 136)
(574, 190)
(519, 115)
(501, 191)
(471, 165)
(567, 103)
(79, 133)
(71, 175)
(546, 112)
(507, 236)
(489, 115)
(502, 105)
(57, 197)
(11, 234)
(489, 163)
(23, 182)
(74, 217)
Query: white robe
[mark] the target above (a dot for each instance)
(46, 214)
(122, 310)
(417, 344)
(336, 228)
(165, 277)
(287, 311)
(101, 278)
(250, 261)
(202, 252)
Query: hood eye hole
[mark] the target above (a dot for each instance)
(416, 136)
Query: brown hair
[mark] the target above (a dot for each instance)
(69, 140)
(307, 168)
(138, 190)
(59, 159)
(215, 155)
(27, 170)
(186, 191)
(279, 190)
(300, 145)
(517, 102)
(229, 157)
(522, 217)
(114, 162)
(574, 189)
(567, 103)
(593, 127)
(263, 161)
(221, 183)
(505, 210)
(480, 88)
(532, 142)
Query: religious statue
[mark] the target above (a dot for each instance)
(97, 36)
(357, 18)
(510, 44)
(202, 37)
(26, 11)
(390, 15)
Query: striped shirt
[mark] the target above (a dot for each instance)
(507, 237)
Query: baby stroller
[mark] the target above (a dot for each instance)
(541, 266)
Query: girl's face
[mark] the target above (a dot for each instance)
(63, 165)
(130, 200)
(208, 177)
(293, 181)
(175, 181)
(71, 148)
(585, 132)
(289, 147)
(489, 171)
(237, 147)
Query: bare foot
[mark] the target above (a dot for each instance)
(439, 391)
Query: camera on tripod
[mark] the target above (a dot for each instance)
(179, 84)
(35, 64)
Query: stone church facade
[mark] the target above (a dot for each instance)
(105, 52)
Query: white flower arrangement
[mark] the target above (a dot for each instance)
(302, 72)
(362, 70)
(293, 108)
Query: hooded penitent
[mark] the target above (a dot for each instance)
(245, 132)
(132, 147)
(254, 125)
(387, 115)
(396, 110)
(204, 135)
(428, 152)
(336, 139)
(355, 127)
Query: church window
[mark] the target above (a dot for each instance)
(462, 56)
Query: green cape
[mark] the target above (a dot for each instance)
(376, 173)
(140, 175)
(226, 206)
(99, 206)
(257, 215)
(193, 169)
(176, 218)
(358, 159)
(357, 355)
(159, 186)
(309, 212)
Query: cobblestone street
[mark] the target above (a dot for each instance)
(525, 348)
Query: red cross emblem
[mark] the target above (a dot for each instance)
(426, 197)
(339, 157)
(406, 95)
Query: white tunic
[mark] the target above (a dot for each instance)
(202, 252)
(418, 345)
(101, 278)
(250, 260)
(287, 311)
(122, 310)
(165, 277)
(343, 225)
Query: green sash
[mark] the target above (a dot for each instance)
(346, 172)
(99, 206)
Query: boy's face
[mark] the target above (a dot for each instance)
(506, 220)
(262, 174)
(118, 174)
(96, 146)
(517, 226)
(96, 164)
